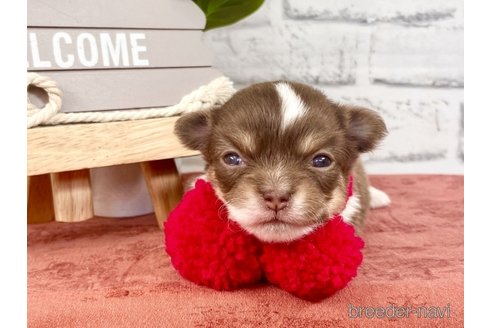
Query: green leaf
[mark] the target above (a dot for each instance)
(221, 13)
(203, 4)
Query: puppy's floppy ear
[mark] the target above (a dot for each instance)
(193, 129)
(364, 127)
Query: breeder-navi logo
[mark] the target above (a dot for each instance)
(393, 311)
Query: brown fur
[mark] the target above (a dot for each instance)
(361, 188)
(280, 159)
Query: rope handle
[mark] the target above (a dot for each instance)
(35, 115)
(213, 94)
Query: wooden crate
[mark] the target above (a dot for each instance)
(113, 55)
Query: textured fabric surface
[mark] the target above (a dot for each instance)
(115, 272)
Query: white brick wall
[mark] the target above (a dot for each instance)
(249, 56)
(408, 12)
(403, 58)
(417, 56)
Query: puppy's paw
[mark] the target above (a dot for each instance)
(378, 198)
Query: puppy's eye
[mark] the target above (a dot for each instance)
(321, 161)
(233, 159)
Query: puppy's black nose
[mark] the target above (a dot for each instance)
(276, 200)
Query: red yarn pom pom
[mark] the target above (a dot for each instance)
(209, 249)
(317, 265)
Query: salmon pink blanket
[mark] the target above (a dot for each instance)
(115, 273)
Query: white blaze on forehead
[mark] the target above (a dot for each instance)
(292, 105)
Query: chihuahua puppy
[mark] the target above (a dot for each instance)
(279, 156)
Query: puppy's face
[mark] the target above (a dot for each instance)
(279, 155)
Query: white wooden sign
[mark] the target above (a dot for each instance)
(125, 54)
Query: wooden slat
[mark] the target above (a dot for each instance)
(72, 147)
(164, 185)
(94, 90)
(72, 196)
(156, 48)
(39, 199)
(162, 14)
